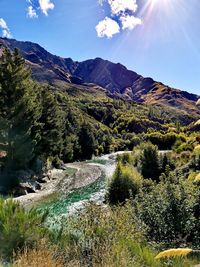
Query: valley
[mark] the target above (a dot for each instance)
(78, 195)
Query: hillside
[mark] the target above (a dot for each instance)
(116, 79)
(73, 152)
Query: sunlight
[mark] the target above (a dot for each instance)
(161, 3)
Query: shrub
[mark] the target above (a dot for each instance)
(18, 228)
(41, 256)
(125, 184)
(195, 158)
(164, 141)
(148, 162)
(125, 158)
(107, 238)
(197, 178)
(184, 147)
(170, 212)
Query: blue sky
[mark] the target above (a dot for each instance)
(156, 38)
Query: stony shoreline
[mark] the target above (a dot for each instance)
(60, 182)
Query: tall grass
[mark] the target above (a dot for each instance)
(98, 237)
(18, 228)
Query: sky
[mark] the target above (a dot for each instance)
(155, 38)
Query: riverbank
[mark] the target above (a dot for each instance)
(74, 176)
(60, 182)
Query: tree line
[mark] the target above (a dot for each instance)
(35, 125)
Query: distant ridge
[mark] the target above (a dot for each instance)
(115, 78)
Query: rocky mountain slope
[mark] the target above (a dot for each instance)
(116, 79)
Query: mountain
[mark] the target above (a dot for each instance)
(116, 79)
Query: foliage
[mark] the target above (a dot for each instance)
(41, 255)
(19, 114)
(170, 210)
(148, 162)
(98, 237)
(195, 158)
(18, 228)
(125, 184)
(52, 121)
(164, 141)
(86, 141)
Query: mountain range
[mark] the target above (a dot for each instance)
(114, 79)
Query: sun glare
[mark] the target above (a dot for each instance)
(158, 2)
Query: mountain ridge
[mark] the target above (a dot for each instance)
(114, 77)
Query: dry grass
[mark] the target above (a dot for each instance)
(98, 237)
(38, 257)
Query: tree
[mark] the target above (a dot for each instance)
(148, 162)
(125, 184)
(53, 123)
(19, 114)
(166, 163)
(86, 141)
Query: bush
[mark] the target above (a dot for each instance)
(107, 238)
(148, 162)
(195, 158)
(18, 228)
(125, 184)
(164, 141)
(170, 212)
(125, 158)
(37, 257)
(184, 147)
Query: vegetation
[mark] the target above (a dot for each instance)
(97, 238)
(19, 114)
(19, 228)
(153, 198)
(41, 125)
(125, 184)
(166, 203)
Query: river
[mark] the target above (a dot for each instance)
(72, 202)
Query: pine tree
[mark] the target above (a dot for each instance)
(86, 141)
(149, 162)
(19, 112)
(52, 120)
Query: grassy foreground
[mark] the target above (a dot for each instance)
(98, 237)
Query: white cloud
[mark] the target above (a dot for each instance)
(6, 33)
(31, 12)
(107, 28)
(3, 24)
(45, 6)
(120, 6)
(130, 22)
(5, 30)
(121, 17)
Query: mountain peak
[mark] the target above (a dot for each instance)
(114, 77)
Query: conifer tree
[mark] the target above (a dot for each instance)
(149, 162)
(53, 124)
(19, 112)
(86, 141)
